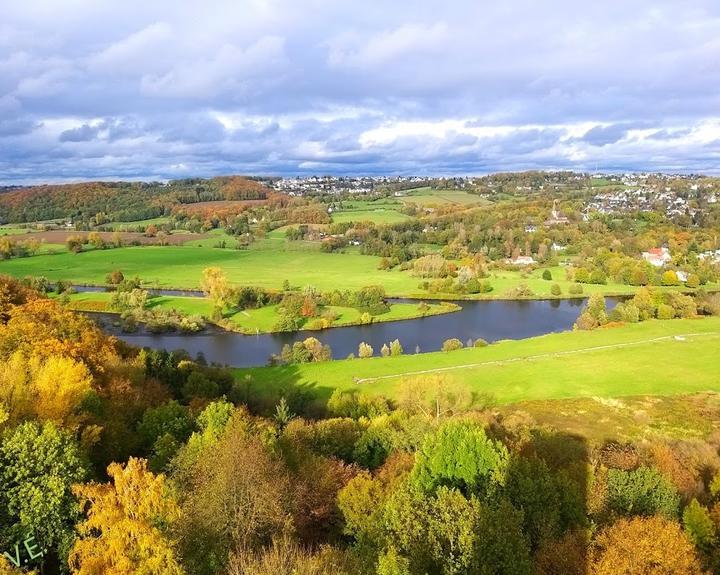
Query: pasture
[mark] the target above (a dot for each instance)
(652, 358)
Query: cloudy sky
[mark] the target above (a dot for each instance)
(164, 89)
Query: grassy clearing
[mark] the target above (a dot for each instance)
(427, 197)
(635, 418)
(125, 226)
(375, 215)
(555, 366)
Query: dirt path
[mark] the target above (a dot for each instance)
(678, 337)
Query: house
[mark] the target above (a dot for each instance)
(530, 229)
(681, 276)
(713, 256)
(657, 257)
(522, 261)
(558, 248)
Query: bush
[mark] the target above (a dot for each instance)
(575, 289)
(693, 281)
(365, 350)
(547, 275)
(452, 344)
(480, 342)
(665, 311)
(555, 290)
(114, 277)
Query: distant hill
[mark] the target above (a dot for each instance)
(121, 201)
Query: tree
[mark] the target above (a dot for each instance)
(460, 455)
(669, 278)
(75, 243)
(385, 350)
(396, 348)
(643, 491)
(365, 350)
(216, 287)
(644, 546)
(555, 290)
(115, 277)
(699, 526)
(38, 466)
(283, 415)
(125, 531)
(452, 344)
(239, 496)
(96, 240)
(547, 275)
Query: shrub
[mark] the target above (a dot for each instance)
(480, 342)
(452, 344)
(555, 290)
(575, 289)
(114, 277)
(693, 281)
(365, 350)
(669, 278)
(547, 275)
(396, 348)
(665, 311)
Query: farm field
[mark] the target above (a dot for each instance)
(378, 215)
(651, 358)
(260, 320)
(431, 197)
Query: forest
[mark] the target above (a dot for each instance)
(120, 460)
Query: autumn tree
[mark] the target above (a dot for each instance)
(217, 288)
(125, 531)
(644, 546)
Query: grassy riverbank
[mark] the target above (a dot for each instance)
(261, 320)
(650, 358)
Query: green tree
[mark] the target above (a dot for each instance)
(39, 464)
(643, 491)
(460, 455)
(699, 526)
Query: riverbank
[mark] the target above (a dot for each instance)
(658, 357)
(260, 320)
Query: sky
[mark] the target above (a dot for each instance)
(160, 89)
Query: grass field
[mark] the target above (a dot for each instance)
(431, 197)
(267, 263)
(375, 215)
(639, 359)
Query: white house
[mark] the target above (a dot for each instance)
(522, 261)
(657, 257)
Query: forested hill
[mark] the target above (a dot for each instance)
(121, 201)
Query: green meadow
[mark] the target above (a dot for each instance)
(375, 215)
(651, 358)
(427, 197)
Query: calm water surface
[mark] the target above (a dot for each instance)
(490, 320)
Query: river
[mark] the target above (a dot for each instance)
(490, 320)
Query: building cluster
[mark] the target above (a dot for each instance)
(667, 200)
(301, 186)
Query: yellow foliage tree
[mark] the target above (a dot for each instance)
(48, 388)
(644, 546)
(124, 530)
